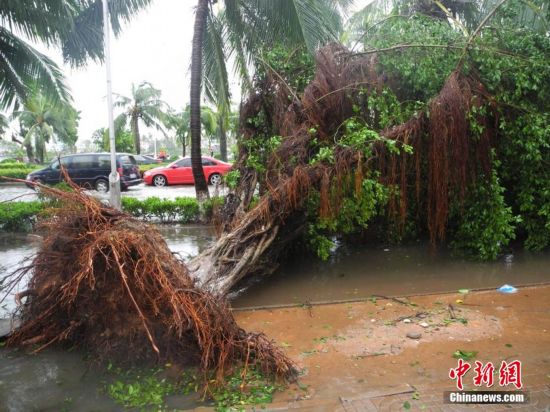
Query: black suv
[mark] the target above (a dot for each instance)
(90, 170)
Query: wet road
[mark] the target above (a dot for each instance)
(20, 192)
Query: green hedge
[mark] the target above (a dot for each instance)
(144, 168)
(19, 165)
(181, 209)
(20, 216)
(16, 173)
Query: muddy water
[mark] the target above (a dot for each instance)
(355, 272)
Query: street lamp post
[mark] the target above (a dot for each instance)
(114, 178)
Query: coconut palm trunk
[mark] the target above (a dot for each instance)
(135, 132)
(201, 188)
(222, 135)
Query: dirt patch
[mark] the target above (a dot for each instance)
(382, 334)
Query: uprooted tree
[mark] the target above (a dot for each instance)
(422, 136)
(418, 140)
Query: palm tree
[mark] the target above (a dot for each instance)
(75, 26)
(145, 105)
(243, 29)
(179, 122)
(42, 120)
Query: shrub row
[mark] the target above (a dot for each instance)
(20, 216)
(16, 173)
(19, 165)
(144, 168)
(181, 209)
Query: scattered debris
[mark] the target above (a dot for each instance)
(507, 289)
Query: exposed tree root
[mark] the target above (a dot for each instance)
(107, 283)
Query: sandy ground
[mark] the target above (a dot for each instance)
(347, 351)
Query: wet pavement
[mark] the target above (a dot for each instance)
(357, 356)
(20, 192)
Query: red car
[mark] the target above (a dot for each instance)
(179, 172)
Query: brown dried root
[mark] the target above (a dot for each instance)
(107, 283)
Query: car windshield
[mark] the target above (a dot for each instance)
(183, 163)
(127, 160)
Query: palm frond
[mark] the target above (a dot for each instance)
(83, 39)
(314, 23)
(22, 67)
(215, 79)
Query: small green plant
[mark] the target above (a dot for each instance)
(487, 223)
(180, 209)
(464, 355)
(19, 216)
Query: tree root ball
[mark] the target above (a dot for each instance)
(107, 283)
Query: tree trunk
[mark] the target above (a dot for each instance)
(201, 188)
(27, 146)
(135, 131)
(184, 147)
(40, 147)
(223, 138)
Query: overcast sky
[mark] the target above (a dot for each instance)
(154, 47)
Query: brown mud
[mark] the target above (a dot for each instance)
(348, 350)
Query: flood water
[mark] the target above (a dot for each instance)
(56, 380)
(358, 272)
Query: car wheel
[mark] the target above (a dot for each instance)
(215, 179)
(40, 182)
(159, 181)
(102, 185)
